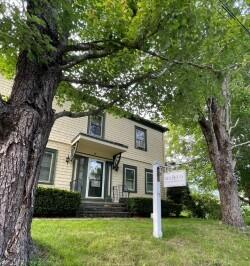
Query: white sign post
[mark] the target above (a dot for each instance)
(175, 178)
(157, 231)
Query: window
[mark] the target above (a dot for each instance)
(47, 167)
(129, 178)
(96, 126)
(148, 181)
(140, 138)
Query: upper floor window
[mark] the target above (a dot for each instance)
(140, 138)
(148, 181)
(47, 166)
(96, 125)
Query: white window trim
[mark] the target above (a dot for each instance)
(49, 181)
(148, 172)
(125, 181)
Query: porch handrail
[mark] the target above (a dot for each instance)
(73, 184)
(120, 191)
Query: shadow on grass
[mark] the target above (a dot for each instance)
(44, 255)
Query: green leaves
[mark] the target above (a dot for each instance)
(195, 41)
(8, 65)
(219, 42)
(186, 146)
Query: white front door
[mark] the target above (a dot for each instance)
(95, 179)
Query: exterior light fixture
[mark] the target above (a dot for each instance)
(67, 159)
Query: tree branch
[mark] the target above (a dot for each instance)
(233, 66)
(210, 68)
(227, 102)
(92, 54)
(93, 111)
(102, 106)
(85, 46)
(234, 126)
(77, 114)
(241, 144)
(244, 200)
(139, 78)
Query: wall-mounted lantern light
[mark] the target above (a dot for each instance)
(67, 159)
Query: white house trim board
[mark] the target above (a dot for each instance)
(101, 142)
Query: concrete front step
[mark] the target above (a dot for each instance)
(114, 204)
(102, 214)
(102, 209)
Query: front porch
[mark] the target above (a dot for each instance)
(94, 160)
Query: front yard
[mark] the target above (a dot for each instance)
(130, 242)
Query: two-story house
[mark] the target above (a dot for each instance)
(101, 156)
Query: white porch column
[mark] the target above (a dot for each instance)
(157, 231)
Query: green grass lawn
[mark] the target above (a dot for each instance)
(130, 242)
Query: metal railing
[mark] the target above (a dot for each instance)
(119, 192)
(75, 186)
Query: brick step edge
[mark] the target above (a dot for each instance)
(108, 209)
(103, 214)
(103, 204)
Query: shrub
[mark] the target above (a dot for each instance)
(56, 203)
(245, 208)
(205, 206)
(180, 195)
(169, 208)
(179, 199)
(246, 213)
(143, 207)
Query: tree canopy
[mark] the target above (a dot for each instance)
(99, 42)
(152, 56)
(167, 56)
(107, 46)
(185, 60)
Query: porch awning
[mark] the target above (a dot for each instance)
(91, 145)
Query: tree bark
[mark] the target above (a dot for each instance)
(220, 152)
(26, 121)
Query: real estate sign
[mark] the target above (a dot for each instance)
(175, 178)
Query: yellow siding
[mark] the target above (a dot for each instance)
(5, 86)
(117, 129)
(117, 177)
(120, 130)
(63, 171)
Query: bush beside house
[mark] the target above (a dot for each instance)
(180, 195)
(246, 212)
(56, 203)
(61, 203)
(143, 207)
(204, 206)
(198, 205)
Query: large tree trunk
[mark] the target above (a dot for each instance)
(220, 151)
(26, 121)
